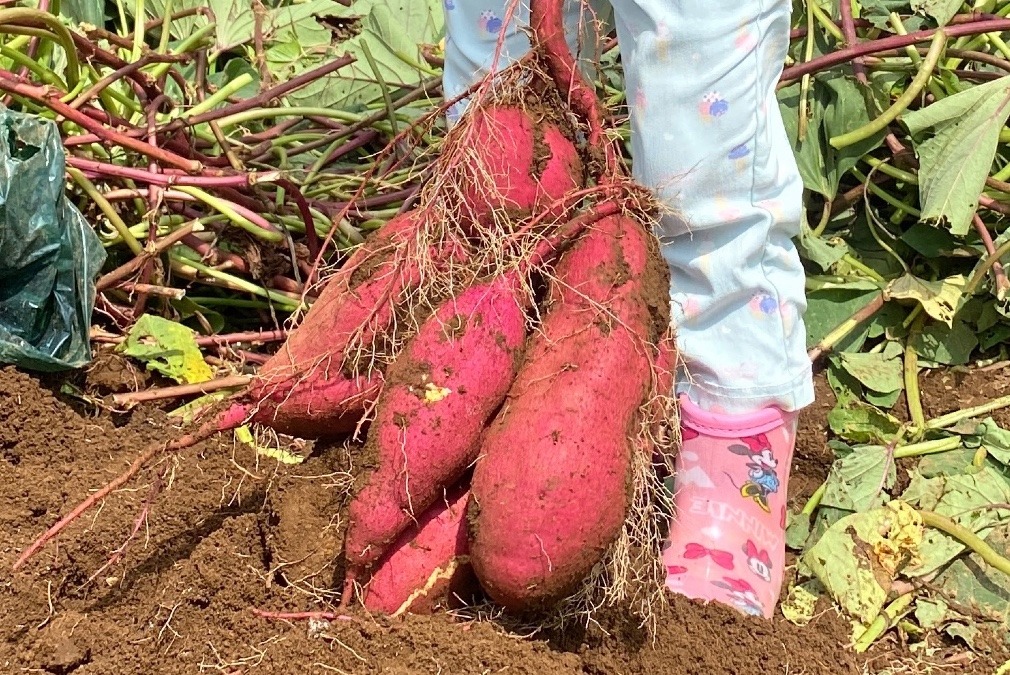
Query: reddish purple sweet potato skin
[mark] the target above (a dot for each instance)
(520, 165)
(469, 347)
(571, 414)
(303, 390)
(436, 544)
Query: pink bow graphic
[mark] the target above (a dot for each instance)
(723, 559)
(751, 551)
(757, 443)
(736, 585)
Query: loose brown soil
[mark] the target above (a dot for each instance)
(229, 533)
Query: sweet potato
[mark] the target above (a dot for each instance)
(516, 165)
(441, 391)
(304, 390)
(552, 484)
(426, 567)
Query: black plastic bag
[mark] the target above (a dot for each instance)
(49, 255)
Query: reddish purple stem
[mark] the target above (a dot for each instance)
(378, 201)
(849, 31)
(167, 179)
(888, 43)
(311, 236)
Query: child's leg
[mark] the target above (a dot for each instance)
(473, 27)
(707, 134)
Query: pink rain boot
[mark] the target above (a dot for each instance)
(727, 539)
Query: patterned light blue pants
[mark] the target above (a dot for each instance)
(707, 136)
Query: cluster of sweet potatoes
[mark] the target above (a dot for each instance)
(499, 438)
(503, 432)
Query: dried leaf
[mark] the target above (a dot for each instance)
(859, 557)
(168, 348)
(938, 298)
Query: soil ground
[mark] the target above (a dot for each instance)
(230, 532)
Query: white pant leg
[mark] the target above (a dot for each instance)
(707, 135)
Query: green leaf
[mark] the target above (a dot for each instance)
(892, 350)
(949, 463)
(988, 317)
(858, 482)
(884, 401)
(809, 153)
(922, 491)
(295, 41)
(887, 322)
(840, 448)
(955, 160)
(235, 21)
(878, 11)
(1003, 308)
(84, 11)
(300, 21)
(232, 70)
(938, 298)
(965, 631)
(845, 109)
(394, 33)
(823, 253)
(797, 530)
(942, 345)
(824, 519)
(880, 372)
(996, 335)
(168, 348)
(932, 242)
(988, 593)
(845, 386)
(971, 308)
(930, 613)
(859, 422)
(995, 440)
(964, 499)
(941, 10)
(196, 315)
(836, 105)
(858, 558)
(402, 25)
(827, 309)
